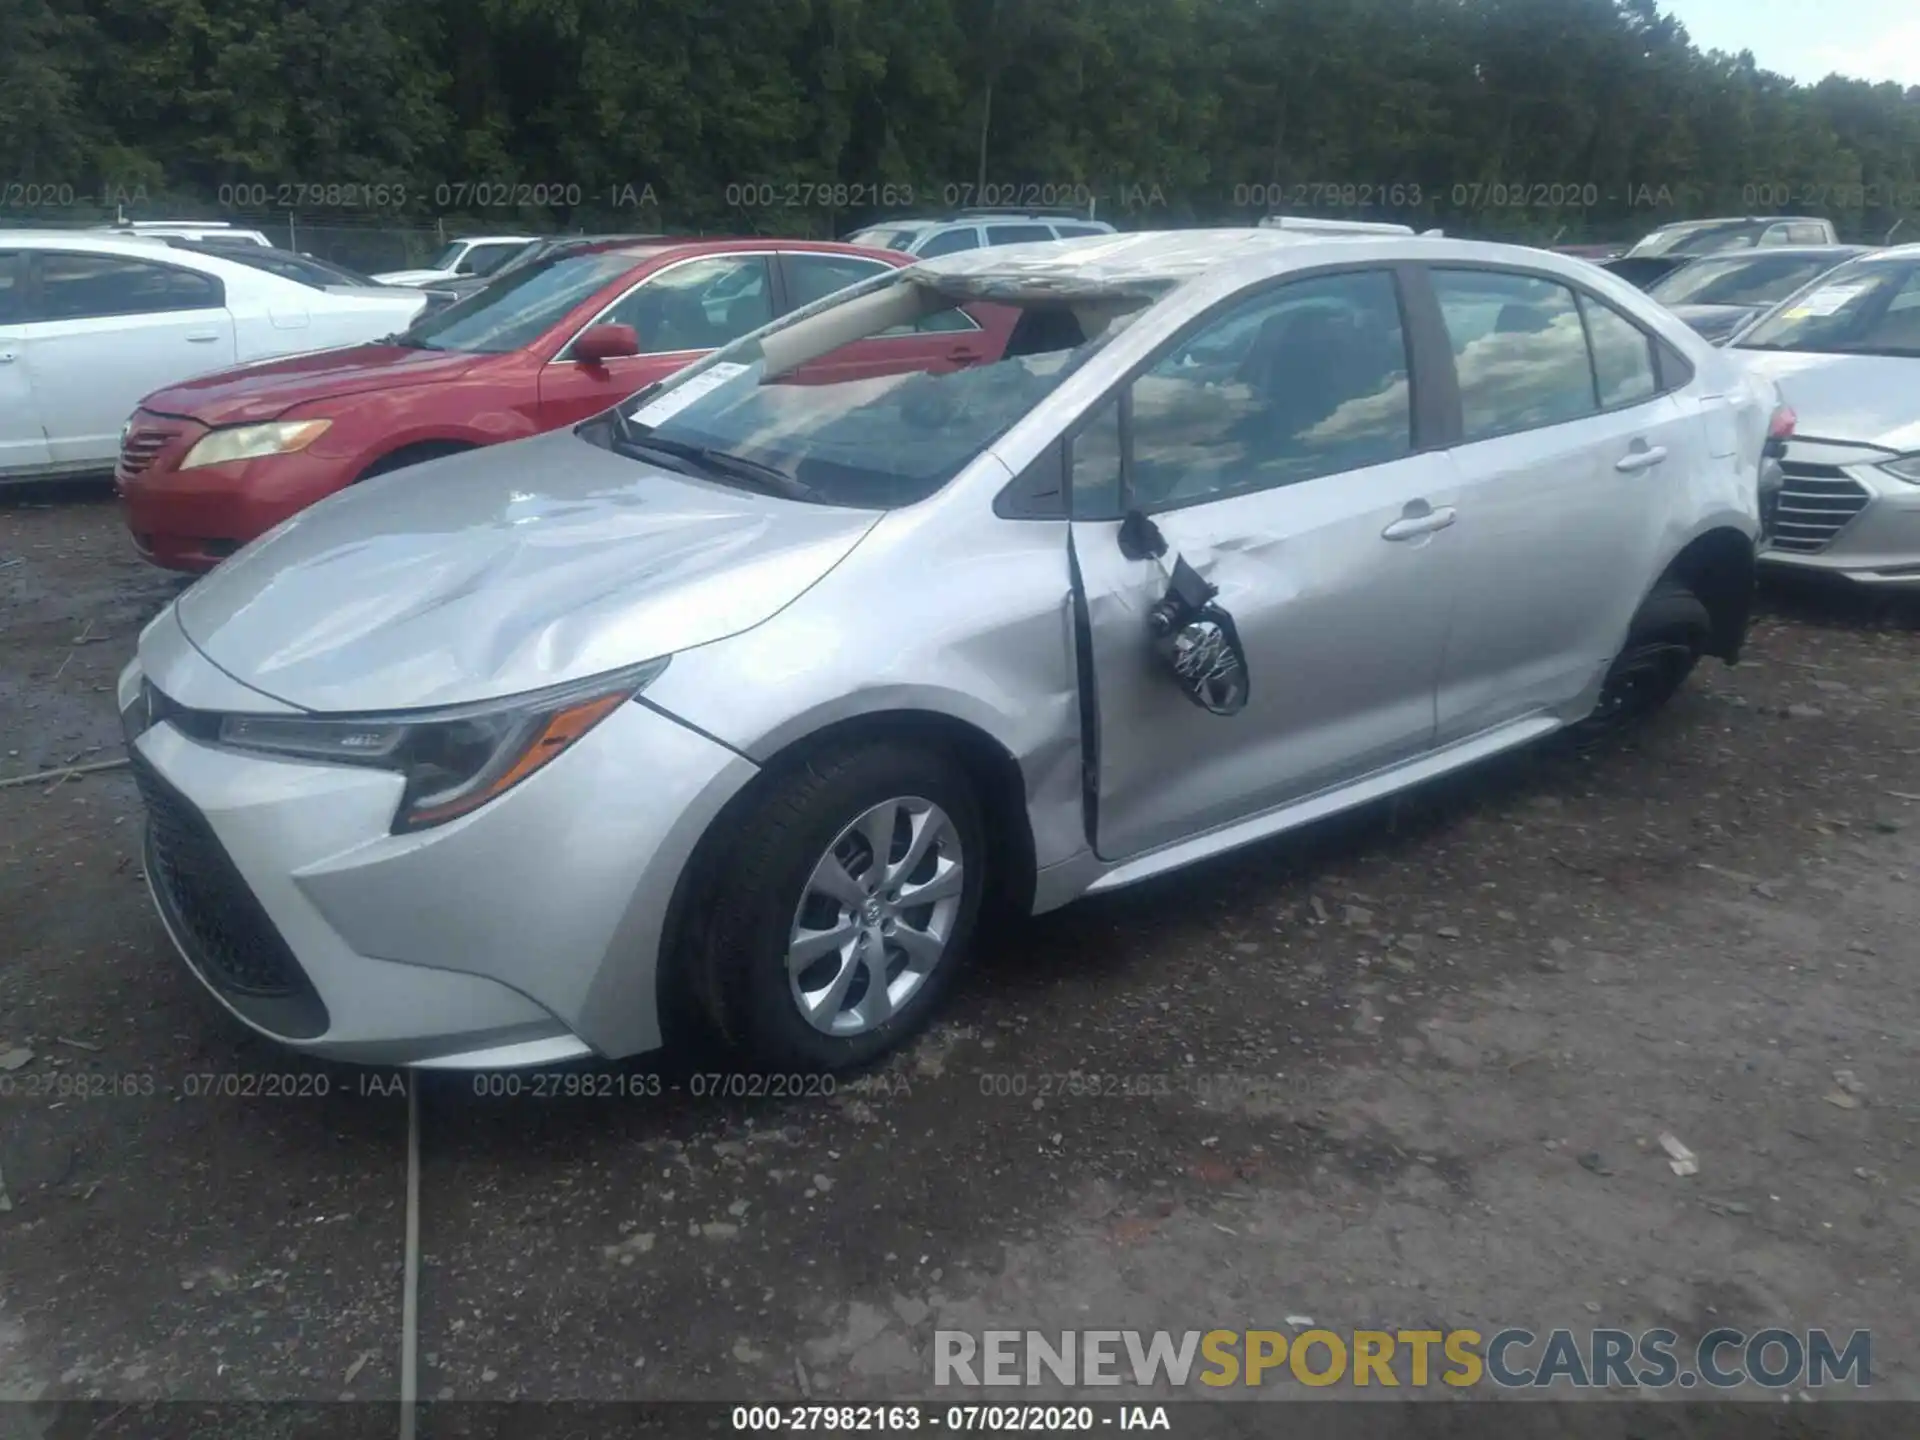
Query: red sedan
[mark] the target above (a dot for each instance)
(207, 465)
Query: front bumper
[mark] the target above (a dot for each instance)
(1841, 516)
(526, 932)
(191, 520)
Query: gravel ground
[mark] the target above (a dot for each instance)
(1407, 1070)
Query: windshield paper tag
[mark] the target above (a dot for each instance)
(1826, 301)
(685, 393)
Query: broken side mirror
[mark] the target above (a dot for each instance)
(1195, 638)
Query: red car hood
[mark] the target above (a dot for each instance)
(269, 388)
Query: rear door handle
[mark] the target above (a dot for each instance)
(6, 357)
(202, 337)
(963, 356)
(1410, 527)
(1640, 457)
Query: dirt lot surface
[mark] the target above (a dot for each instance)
(1406, 1071)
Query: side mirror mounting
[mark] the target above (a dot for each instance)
(600, 343)
(1140, 538)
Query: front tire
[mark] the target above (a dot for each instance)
(840, 914)
(1668, 635)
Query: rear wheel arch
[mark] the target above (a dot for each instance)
(1718, 568)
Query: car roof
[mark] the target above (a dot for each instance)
(109, 242)
(683, 247)
(1151, 256)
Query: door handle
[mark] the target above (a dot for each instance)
(1410, 527)
(202, 337)
(963, 356)
(6, 357)
(1640, 457)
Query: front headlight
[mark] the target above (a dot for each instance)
(250, 442)
(454, 760)
(1906, 468)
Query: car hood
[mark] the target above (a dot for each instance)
(1860, 399)
(504, 570)
(267, 388)
(411, 277)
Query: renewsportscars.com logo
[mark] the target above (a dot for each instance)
(1721, 1359)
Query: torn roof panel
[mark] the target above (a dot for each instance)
(1144, 263)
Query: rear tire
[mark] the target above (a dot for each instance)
(1668, 635)
(784, 962)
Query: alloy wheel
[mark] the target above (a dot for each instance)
(875, 917)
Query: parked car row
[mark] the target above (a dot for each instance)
(212, 462)
(91, 322)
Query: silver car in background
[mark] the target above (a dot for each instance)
(1845, 352)
(733, 707)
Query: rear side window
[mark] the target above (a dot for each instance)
(949, 241)
(814, 277)
(1623, 365)
(485, 259)
(1069, 232)
(1807, 233)
(1018, 234)
(1519, 348)
(75, 285)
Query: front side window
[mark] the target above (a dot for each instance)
(1862, 308)
(519, 307)
(698, 304)
(75, 285)
(1519, 349)
(1300, 381)
(947, 242)
(800, 411)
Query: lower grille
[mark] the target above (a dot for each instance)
(1815, 505)
(215, 915)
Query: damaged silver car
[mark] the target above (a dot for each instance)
(734, 706)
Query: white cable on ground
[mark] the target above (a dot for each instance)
(410, 1282)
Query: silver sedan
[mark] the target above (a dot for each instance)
(735, 705)
(1845, 352)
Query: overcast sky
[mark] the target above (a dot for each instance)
(1809, 39)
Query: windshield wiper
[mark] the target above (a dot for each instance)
(770, 478)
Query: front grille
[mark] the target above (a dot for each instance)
(216, 914)
(143, 442)
(1816, 502)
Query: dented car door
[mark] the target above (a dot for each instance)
(1273, 453)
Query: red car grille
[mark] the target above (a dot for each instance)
(143, 442)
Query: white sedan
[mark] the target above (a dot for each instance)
(91, 323)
